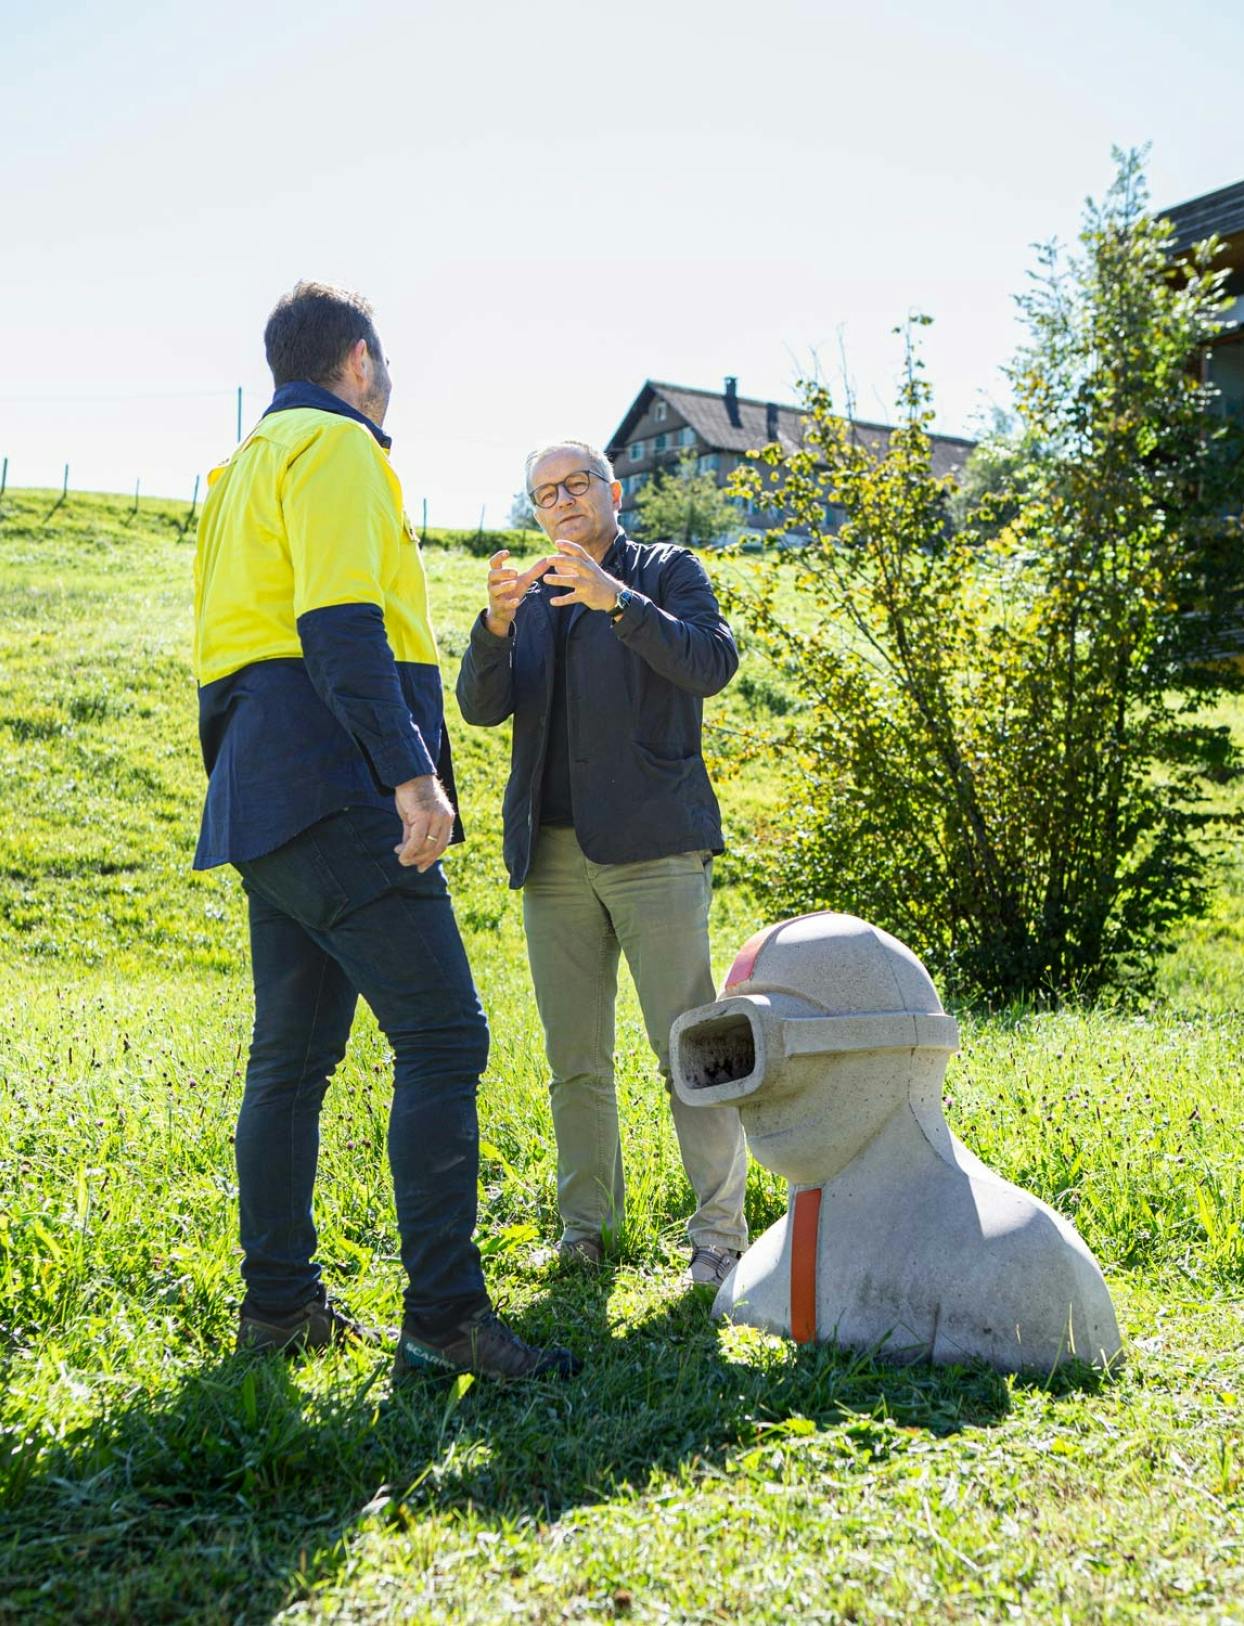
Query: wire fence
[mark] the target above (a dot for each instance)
(70, 407)
(62, 498)
(155, 428)
(477, 539)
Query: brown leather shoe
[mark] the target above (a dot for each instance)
(315, 1326)
(483, 1345)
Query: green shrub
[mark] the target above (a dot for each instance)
(1001, 759)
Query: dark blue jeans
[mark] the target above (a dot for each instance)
(334, 915)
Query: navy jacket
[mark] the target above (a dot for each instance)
(319, 686)
(634, 693)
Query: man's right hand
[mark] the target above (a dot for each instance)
(427, 817)
(506, 588)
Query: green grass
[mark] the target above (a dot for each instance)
(694, 1473)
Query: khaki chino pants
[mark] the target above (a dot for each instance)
(578, 916)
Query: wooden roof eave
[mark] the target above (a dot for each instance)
(635, 412)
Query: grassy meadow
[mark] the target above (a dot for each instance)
(693, 1473)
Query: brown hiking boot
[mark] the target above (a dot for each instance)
(483, 1345)
(315, 1326)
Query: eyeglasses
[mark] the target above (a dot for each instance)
(574, 485)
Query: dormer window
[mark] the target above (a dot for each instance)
(659, 412)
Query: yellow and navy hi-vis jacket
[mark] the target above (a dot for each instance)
(318, 679)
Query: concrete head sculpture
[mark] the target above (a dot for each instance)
(830, 1039)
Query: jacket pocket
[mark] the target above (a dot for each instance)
(665, 756)
(679, 779)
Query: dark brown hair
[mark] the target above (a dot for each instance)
(312, 330)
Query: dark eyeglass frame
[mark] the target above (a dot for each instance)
(554, 486)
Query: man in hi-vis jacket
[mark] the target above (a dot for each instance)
(602, 655)
(320, 715)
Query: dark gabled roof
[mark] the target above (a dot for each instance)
(1220, 212)
(708, 414)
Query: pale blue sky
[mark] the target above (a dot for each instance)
(549, 203)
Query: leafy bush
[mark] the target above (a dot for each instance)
(684, 505)
(1002, 760)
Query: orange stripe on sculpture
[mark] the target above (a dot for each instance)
(805, 1226)
(745, 959)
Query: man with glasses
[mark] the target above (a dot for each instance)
(602, 654)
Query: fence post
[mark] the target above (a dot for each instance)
(134, 510)
(61, 500)
(423, 535)
(239, 414)
(194, 503)
(4, 476)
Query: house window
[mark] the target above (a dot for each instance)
(658, 444)
(637, 450)
(687, 437)
(707, 463)
(659, 411)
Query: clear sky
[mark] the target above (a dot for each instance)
(549, 203)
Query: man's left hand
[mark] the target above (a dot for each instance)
(588, 583)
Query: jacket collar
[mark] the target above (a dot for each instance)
(615, 550)
(302, 393)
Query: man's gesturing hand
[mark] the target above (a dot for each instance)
(506, 588)
(427, 817)
(588, 583)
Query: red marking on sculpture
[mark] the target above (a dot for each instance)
(805, 1228)
(745, 959)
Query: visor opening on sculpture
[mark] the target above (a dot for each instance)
(719, 1051)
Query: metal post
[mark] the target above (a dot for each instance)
(60, 501)
(423, 535)
(194, 503)
(4, 477)
(136, 485)
(239, 413)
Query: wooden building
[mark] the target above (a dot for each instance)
(1220, 214)
(667, 422)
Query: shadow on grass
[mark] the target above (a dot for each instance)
(245, 1484)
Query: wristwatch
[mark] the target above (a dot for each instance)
(623, 599)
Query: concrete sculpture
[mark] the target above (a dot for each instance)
(830, 1039)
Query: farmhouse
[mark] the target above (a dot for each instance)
(667, 422)
(1220, 214)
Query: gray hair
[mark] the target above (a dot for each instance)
(593, 455)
